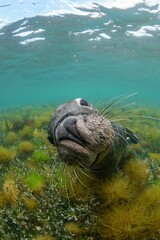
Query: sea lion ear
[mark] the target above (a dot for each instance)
(50, 139)
(131, 137)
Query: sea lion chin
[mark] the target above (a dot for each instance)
(84, 137)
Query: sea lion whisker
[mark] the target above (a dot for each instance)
(113, 101)
(110, 114)
(65, 184)
(120, 135)
(78, 178)
(62, 170)
(128, 105)
(100, 105)
(147, 117)
(119, 97)
(118, 101)
(87, 175)
(121, 120)
(82, 165)
(87, 168)
(126, 111)
(112, 146)
(137, 116)
(71, 183)
(122, 110)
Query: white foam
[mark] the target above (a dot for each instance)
(103, 35)
(121, 4)
(23, 34)
(144, 31)
(152, 3)
(152, 28)
(96, 14)
(19, 29)
(26, 21)
(88, 31)
(107, 23)
(39, 31)
(78, 7)
(139, 33)
(75, 11)
(116, 26)
(148, 10)
(29, 40)
(95, 39)
(113, 30)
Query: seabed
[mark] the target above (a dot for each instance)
(42, 199)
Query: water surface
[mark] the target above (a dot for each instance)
(52, 52)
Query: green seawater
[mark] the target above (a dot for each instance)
(49, 60)
(110, 57)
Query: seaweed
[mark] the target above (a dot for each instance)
(6, 154)
(25, 148)
(41, 198)
(11, 138)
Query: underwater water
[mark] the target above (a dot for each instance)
(51, 52)
(54, 51)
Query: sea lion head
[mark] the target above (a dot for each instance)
(83, 136)
(80, 133)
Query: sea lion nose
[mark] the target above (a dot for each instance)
(67, 130)
(70, 125)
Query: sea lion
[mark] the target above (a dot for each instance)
(85, 137)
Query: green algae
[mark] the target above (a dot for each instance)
(40, 199)
(35, 181)
(40, 155)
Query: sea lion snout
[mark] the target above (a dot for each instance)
(80, 133)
